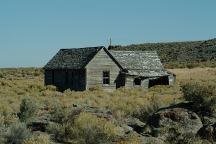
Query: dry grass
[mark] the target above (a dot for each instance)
(17, 84)
(205, 74)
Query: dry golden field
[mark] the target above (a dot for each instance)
(199, 75)
(15, 84)
(18, 84)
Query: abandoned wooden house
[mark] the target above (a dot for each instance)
(84, 68)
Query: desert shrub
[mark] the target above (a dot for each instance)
(2, 134)
(91, 135)
(6, 119)
(202, 96)
(9, 118)
(132, 138)
(63, 119)
(89, 129)
(186, 138)
(61, 114)
(28, 110)
(147, 110)
(89, 120)
(1, 120)
(84, 129)
(58, 113)
(38, 139)
(17, 133)
(58, 131)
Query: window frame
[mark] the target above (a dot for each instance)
(106, 77)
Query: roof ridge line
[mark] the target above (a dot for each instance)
(82, 48)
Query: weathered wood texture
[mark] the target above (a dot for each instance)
(82, 68)
(48, 80)
(145, 83)
(94, 71)
(172, 79)
(129, 82)
(149, 82)
(65, 79)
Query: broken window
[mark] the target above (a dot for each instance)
(137, 81)
(106, 77)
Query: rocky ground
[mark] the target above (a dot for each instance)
(174, 124)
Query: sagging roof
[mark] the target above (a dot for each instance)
(73, 58)
(140, 63)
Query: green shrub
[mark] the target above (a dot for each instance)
(58, 113)
(61, 114)
(84, 129)
(58, 131)
(147, 110)
(63, 122)
(202, 96)
(17, 133)
(6, 119)
(28, 110)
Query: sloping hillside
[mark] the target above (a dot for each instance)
(180, 54)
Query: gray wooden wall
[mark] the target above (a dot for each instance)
(130, 82)
(94, 71)
(65, 79)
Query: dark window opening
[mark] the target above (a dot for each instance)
(159, 81)
(106, 77)
(137, 81)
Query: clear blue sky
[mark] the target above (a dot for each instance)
(32, 31)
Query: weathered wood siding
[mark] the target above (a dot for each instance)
(145, 83)
(129, 82)
(76, 80)
(172, 79)
(94, 71)
(65, 79)
(48, 77)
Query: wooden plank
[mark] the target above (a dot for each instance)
(94, 71)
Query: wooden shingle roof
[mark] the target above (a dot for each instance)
(73, 58)
(141, 63)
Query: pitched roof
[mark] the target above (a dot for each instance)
(141, 63)
(73, 58)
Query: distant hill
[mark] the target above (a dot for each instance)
(180, 54)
